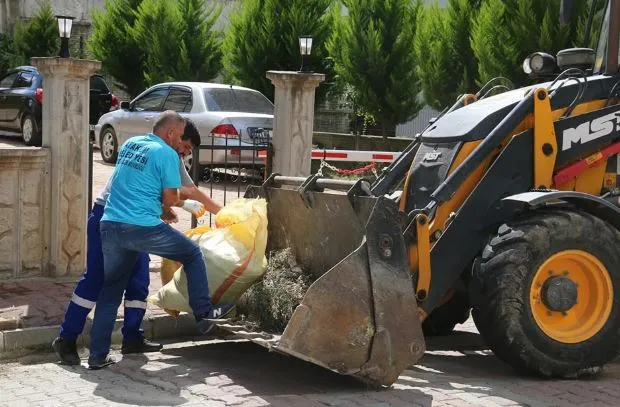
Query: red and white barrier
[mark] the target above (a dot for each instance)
(348, 155)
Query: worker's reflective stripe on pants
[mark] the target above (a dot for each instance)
(87, 290)
(135, 304)
(82, 302)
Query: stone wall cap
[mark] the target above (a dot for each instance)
(296, 75)
(24, 152)
(24, 157)
(78, 67)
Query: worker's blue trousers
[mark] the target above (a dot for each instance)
(88, 288)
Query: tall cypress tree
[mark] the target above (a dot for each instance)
(263, 35)
(178, 40)
(111, 42)
(506, 31)
(158, 29)
(202, 59)
(6, 53)
(445, 61)
(373, 53)
(38, 37)
(583, 10)
(247, 48)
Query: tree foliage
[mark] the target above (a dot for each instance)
(506, 31)
(583, 10)
(112, 43)
(178, 40)
(201, 40)
(38, 37)
(373, 53)
(446, 64)
(6, 53)
(263, 36)
(143, 42)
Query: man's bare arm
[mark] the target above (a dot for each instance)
(171, 197)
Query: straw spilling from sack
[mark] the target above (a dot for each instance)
(271, 301)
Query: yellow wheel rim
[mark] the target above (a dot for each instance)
(594, 300)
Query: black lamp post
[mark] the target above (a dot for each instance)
(305, 49)
(64, 28)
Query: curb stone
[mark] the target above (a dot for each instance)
(16, 342)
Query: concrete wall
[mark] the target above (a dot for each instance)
(339, 141)
(24, 212)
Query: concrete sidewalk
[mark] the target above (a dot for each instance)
(31, 312)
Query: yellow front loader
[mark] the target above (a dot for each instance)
(506, 205)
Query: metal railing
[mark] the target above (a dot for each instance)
(231, 165)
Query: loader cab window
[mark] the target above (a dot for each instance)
(601, 48)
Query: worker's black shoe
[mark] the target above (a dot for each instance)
(66, 351)
(140, 345)
(100, 363)
(206, 322)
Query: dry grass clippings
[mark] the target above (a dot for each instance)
(270, 303)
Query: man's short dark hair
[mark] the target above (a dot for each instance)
(166, 118)
(191, 133)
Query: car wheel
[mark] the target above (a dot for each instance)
(109, 145)
(31, 134)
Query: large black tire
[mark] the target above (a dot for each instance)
(444, 318)
(501, 292)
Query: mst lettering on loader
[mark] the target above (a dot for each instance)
(590, 130)
(506, 206)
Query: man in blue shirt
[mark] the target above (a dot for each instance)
(87, 290)
(145, 178)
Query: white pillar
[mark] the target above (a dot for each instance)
(66, 88)
(293, 121)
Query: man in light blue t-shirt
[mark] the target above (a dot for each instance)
(87, 290)
(146, 178)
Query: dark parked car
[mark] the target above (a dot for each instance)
(21, 97)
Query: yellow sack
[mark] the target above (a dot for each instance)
(234, 254)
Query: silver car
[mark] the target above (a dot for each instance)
(226, 116)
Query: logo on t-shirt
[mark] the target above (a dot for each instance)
(133, 155)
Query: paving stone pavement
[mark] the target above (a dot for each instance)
(239, 373)
(456, 370)
(41, 302)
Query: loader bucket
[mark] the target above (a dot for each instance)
(359, 317)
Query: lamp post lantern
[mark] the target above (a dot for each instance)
(65, 24)
(305, 49)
